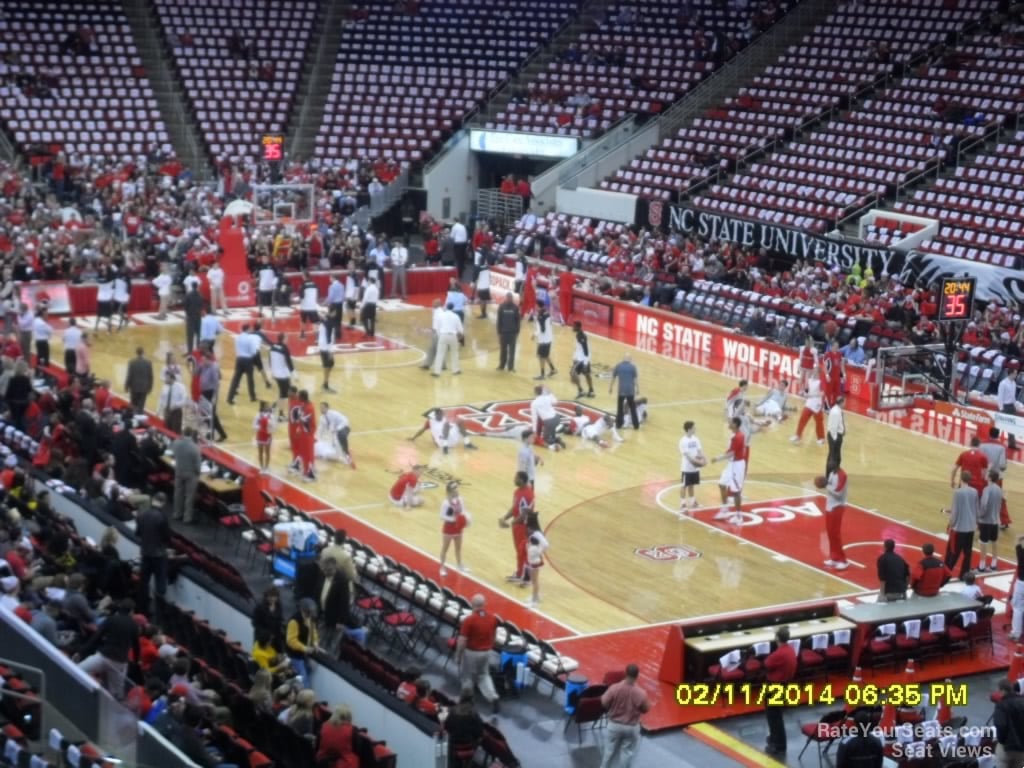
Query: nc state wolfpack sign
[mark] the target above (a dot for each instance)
(507, 419)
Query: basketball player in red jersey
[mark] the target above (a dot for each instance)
(566, 281)
(737, 393)
(731, 481)
(522, 506)
(303, 416)
(808, 362)
(193, 359)
(974, 462)
(833, 370)
(528, 300)
(293, 430)
(812, 407)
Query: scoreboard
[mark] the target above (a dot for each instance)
(956, 298)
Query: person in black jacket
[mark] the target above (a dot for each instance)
(106, 653)
(508, 332)
(154, 532)
(465, 729)
(863, 749)
(1008, 719)
(269, 618)
(333, 593)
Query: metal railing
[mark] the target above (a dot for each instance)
(391, 194)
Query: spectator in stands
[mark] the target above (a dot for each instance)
(465, 729)
(299, 716)
(302, 639)
(261, 693)
(334, 599)
(335, 748)
(930, 574)
(422, 701)
(1008, 719)
(854, 351)
(44, 621)
(268, 619)
(174, 726)
(154, 532)
(106, 653)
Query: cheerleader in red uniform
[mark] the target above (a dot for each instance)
(808, 362)
(455, 519)
(833, 370)
(264, 426)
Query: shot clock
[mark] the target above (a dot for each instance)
(956, 298)
(273, 147)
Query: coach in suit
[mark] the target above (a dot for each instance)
(138, 382)
(508, 332)
(187, 463)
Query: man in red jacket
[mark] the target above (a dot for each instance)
(780, 667)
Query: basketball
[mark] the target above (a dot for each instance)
(831, 328)
(700, 460)
(820, 481)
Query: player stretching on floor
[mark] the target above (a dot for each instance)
(404, 492)
(731, 481)
(774, 403)
(445, 431)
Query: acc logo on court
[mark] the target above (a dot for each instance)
(667, 553)
(506, 419)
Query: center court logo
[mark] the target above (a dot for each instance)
(667, 553)
(509, 418)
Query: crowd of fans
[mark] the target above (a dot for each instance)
(68, 218)
(655, 268)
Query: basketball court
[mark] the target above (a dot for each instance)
(622, 564)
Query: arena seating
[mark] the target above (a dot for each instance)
(839, 59)
(640, 63)
(404, 79)
(238, 96)
(71, 79)
(981, 208)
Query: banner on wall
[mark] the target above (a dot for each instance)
(778, 239)
(233, 260)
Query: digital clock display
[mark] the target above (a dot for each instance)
(273, 147)
(956, 299)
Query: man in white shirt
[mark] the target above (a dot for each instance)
(435, 317)
(836, 432)
(247, 346)
(72, 338)
(368, 312)
(171, 405)
(334, 426)
(460, 242)
(692, 458)
(1006, 396)
(542, 412)
(399, 264)
(448, 328)
(215, 277)
(445, 432)
(162, 283)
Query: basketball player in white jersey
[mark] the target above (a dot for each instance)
(308, 299)
(265, 287)
(594, 431)
(692, 458)
(446, 432)
(774, 405)
(544, 336)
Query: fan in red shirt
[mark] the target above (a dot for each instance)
(403, 492)
(973, 462)
(832, 374)
(302, 432)
(780, 667)
(528, 302)
(522, 508)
